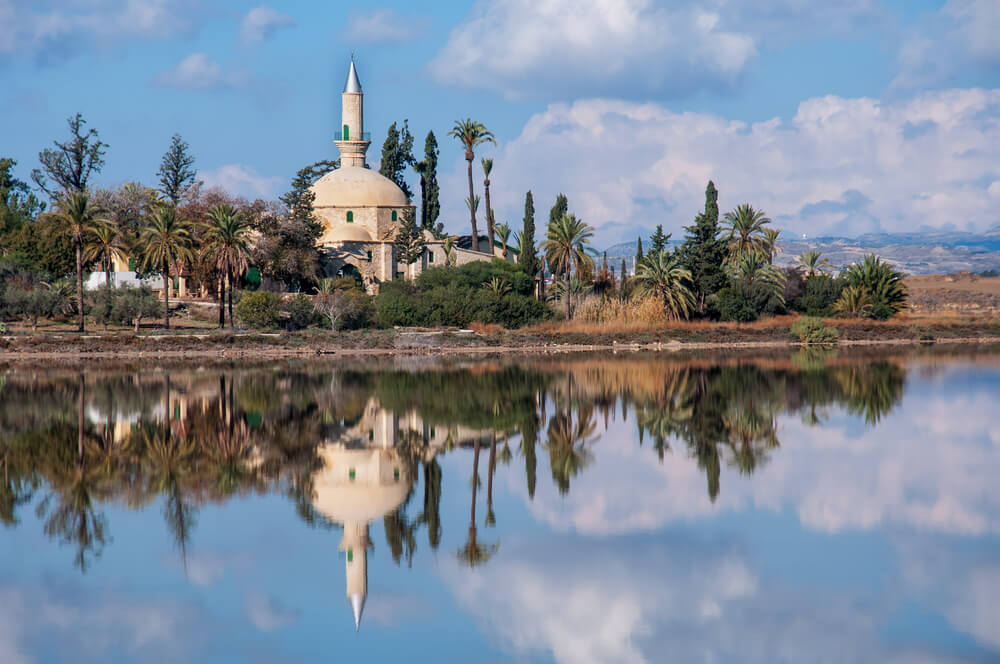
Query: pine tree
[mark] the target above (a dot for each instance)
(659, 240)
(529, 255)
(430, 205)
(703, 252)
(299, 199)
(397, 155)
(177, 172)
(71, 165)
(409, 242)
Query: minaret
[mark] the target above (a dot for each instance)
(351, 140)
(355, 544)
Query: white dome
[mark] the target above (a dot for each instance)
(373, 491)
(354, 186)
(346, 233)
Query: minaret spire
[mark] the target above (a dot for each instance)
(351, 140)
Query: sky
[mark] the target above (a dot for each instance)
(835, 118)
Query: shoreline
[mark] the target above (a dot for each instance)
(326, 351)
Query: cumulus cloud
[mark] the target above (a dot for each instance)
(562, 48)
(962, 35)
(48, 29)
(838, 166)
(198, 71)
(242, 180)
(382, 26)
(262, 22)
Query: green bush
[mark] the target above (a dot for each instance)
(818, 295)
(744, 304)
(447, 297)
(812, 330)
(258, 309)
(298, 312)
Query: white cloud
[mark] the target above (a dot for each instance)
(266, 614)
(48, 29)
(242, 180)
(262, 22)
(198, 71)
(959, 37)
(838, 166)
(928, 467)
(382, 26)
(563, 48)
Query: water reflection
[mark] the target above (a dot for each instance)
(347, 447)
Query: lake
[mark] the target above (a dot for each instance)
(813, 507)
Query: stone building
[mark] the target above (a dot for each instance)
(362, 210)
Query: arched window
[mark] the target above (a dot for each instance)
(394, 215)
(350, 217)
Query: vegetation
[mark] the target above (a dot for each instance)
(874, 290)
(166, 242)
(397, 156)
(259, 310)
(430, 192)
(812, 330)
(177, 173)
(566, 249)
(456, 297)
(472, 134)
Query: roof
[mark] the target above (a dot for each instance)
(355, 186)
(352, 84)
(371, 493)
(346, 233)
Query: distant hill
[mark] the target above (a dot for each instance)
(924, 252)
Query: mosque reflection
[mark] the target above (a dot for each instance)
(348, 447)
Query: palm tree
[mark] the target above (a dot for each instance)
(497, 285)
(490, 226)
(449, 250)
(227, 245)
(661, 275)
(471, 133)
(882, 283)
(569, 445)
(104, 243)
(813, 263)
(165, 241)
(771, 243)
(746, 231)
(752, 269)
(473, 204)
(503, 232)
(80, 214)
(565, 247)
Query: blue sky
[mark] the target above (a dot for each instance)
(797, 106)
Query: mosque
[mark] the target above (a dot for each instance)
(362, 210)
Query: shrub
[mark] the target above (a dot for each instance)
(881, 284)
(3, 327)
(298, 311)
(131, 305)
(741, 303)
(258, 309)
(31, 302)
(818, 296)
(812, 330)
(453, 303)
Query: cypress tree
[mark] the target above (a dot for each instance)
(409, 242)
(529, 257)
(703, 252)
(638, 254)
(430, 205)
(624, 273)
(397, 154)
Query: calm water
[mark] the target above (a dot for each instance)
(634, 509)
